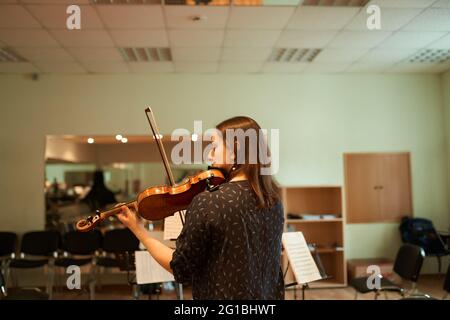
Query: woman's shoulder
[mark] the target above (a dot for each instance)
(223, 193)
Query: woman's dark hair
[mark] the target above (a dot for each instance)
(264, 186)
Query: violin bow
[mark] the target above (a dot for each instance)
(162, 152)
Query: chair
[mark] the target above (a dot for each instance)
(80, 249)
(37, 250)
(8, 243)
(421, 232)
(447, 283)
(21, 294)
(117, 242)
(407, 265)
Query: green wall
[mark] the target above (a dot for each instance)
(319, 116)
(445, 82)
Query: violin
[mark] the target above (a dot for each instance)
(159, 202)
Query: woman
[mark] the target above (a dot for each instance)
(230, 245)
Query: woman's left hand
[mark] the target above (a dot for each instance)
(130, 219)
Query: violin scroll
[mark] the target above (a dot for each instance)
(89, 223)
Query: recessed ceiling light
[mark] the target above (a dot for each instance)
(194, 137)
(119, 137)
(124, 140)
(142, 54)
(431, 56)
(159, 136)
(294, 55)
(90, 140)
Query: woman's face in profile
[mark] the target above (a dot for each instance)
(219, 155)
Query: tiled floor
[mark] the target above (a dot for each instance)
(430, 284)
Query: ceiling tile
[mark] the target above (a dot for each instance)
(410, 39)
(151, 67)
(15, 16)
(442, 43)
(196, 54)
(196, 38)
(322, 18)
(407, 67)
(96, 54)
(240, 67)
(435, 19)
(358, 39)
(60, 67)
(132, 16)
(196, 67)
(305, 39)
(251, 38)
(44, 54)
(281, 67)
(83, 38)
(182, 17)
(140, 38)
(259, 17)
(339, 55)
(442, 4)
(360, 67)
(106, 67)
(391, 19)
(17, 67)
(403, 3)
(55, 16)
(246, 54)
(27, 38)
(317, 67)
(386, 55)
(8, 1)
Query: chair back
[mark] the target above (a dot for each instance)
(421, 232)
(8, 243)
(40, 243)
(82, 243)
(408, 262)
(120, 240)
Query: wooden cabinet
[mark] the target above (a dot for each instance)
(377, 187)
(326, 233)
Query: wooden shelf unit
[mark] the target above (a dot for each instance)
(326, 234)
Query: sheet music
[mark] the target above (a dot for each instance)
(173, 225)
(149, 271)
(300, 258)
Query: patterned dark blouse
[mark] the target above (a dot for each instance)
(229, 248)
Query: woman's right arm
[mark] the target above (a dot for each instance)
(159, 251)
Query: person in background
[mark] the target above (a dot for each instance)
(99, 196)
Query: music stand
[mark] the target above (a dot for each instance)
(320, 267)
